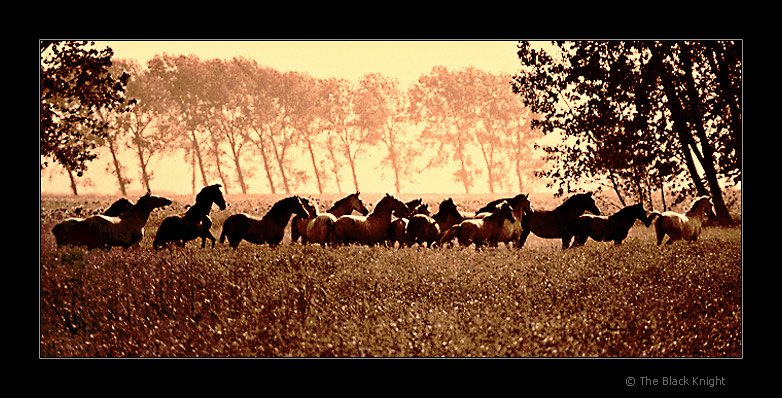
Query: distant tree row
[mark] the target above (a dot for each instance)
(235, 118)
(641, 115)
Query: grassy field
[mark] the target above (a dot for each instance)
(634, 300)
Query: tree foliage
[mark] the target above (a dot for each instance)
(76, 86)
(638, 114)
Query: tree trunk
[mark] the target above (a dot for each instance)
(353, 170)
(197, 152)
(266, 165)
(117, 165)
(218, 162)
(142, 163)
(723, 217)
(73, 181)
(314, 163)
(281, 163)
(334, 164)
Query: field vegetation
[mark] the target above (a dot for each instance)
(294, 300)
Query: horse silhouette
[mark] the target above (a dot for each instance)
(397, 230)
(194, 223)
(552, 224)
(267, 229)
(426, 231)
(606, 228)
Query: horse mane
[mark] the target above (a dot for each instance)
(697, 201)
(281, 204)
(340, 202)
(573, 199)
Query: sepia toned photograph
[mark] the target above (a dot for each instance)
(393, 199)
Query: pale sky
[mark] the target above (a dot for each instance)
(404, 60)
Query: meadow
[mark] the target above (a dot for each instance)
(294, 300)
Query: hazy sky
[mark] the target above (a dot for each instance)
(404, 60)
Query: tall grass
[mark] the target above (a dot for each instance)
(633, 300)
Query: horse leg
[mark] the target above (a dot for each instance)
(522, 238)
(658, 229)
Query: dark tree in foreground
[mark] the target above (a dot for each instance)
(635, 111)
(76, 90)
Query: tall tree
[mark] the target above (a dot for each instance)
(76, 85)
(380, 110)
(351, 138)
(226, 97)
(441, 102)
(261, 112)
(145, 136)
(181, 78)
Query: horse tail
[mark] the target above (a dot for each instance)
(657, 218)
(650, 218)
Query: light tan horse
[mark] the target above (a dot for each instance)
(371, 229)
(682, 226)
(511, 230)
(481, 231)
(102, 231)
(319, 227)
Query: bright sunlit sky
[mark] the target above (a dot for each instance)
(404, 60)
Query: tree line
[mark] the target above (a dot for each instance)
(235, 119)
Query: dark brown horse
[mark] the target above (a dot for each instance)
(606, 228)
(551, 224)
(481, 231)
(426, 231)
(268, 229)
(397, 230)
(371, 229)
(101, 231)
(119, 207)
(194, 223)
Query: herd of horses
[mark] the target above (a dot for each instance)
(391, 222)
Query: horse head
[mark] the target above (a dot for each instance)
(422, 208)
(309, 207)
(637, 211)
(505, 212)
(448, 207)
(703, 207)
(150, 201)
(358, 205)
(212, 194)
(392, 203)
(586, 202)
(299, 209)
